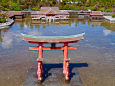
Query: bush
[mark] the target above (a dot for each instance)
(4, 4)
(85, 8)
(67, 7)
(109, 10)
(91, 8)
(75, 8)
(35, 9)
(2, 8)
(6, 9)
(2, 20)
(113, 15)
(101, 9)
(16, 7)
(26, 9)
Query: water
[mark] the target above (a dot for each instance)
(97, 50)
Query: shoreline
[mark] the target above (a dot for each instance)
(7, 23)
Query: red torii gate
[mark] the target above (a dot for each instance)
(53, 40)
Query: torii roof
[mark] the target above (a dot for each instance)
(53, 39)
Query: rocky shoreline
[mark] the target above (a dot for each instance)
(7, 23)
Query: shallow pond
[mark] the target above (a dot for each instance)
(97, 50)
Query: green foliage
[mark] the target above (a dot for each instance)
(113, 15)
(6, 9)
(101, 9)
(109, 10)
(91, 8)
(17, 5)
(35, 9)
(2, 8)
(85, 8)
(67, 7)
(2, 18)
(25, 9)
(75, 8)
(4, 4)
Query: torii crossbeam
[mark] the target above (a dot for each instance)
(53, 40)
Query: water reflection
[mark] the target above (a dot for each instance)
(107, 32)
(2, 31)
(108, 25)
(53, 76)
(35, 33)
(33, 29)
(9, 38)
(26, 26)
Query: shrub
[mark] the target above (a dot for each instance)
(35, 9)
(109, 10)
(4, 4)
(113, 15)
(6, 9)
(67, 7)
(75, 8)
(85, 8)
(25, 9)
(2, 8)
(16, 7)
(91, 8)
(100, 9)
(2, 20)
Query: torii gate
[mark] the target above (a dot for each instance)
(53, 40)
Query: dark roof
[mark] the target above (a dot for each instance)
(49, 10)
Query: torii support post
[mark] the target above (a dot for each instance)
(40, 65)
(66, 62)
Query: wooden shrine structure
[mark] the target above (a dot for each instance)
(53, 40)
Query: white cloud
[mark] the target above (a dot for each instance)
(35, 33)
(9, 37)
(106, 32)
(7, 40)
